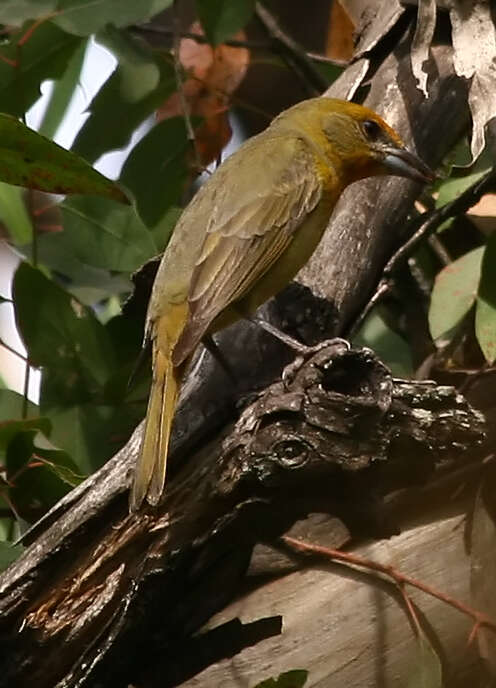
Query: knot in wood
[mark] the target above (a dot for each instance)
(326, 417)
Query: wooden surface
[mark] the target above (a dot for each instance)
(348, 629)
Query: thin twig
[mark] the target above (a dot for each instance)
(34, 243)
(25, 391)
(25, 467)
(292, 52)
(176, 42)
(430, 221)
(410, 609)
(323, 59)
(399, 578)
(439, 250)
(199, 38)
(6, 346)
(27, 35)
(4, 494)
(7, 60)
(233, 43)
(474, 376)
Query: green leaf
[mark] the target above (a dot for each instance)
(388, 345)
(157, 169)
(36, 430)
(29, 159)
(139, 71)
(85, 17)
(34, 484)
(8, 554)
(62, 93)
(14, 215)
(57, 461)
(103, 234)
(127, 334)
(118, 96)
(485, 328)
(485, 312)
(89, 284)
(329, 71)
(43, 56)
(10, 428)
(162, 232)
(63, 336)
(426, 670)
(16, 12)
(34, 466)
(11, 405)
(65, 474)
(454, 293)
(92, 433)
(289, 679)
(222, 18)
(455, 185)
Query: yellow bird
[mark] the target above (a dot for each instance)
(245, 235)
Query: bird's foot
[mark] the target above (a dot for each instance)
(282, 336)
(305, 352)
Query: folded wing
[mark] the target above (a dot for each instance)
(252, 221)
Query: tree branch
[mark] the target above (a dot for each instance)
(291, 52)
(333, 437)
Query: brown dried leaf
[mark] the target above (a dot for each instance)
(349, 81)
(385, 18)
(340, 43)
(424, 31)
(214, 73)
(474, 43)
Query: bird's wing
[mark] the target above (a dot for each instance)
(265, 198)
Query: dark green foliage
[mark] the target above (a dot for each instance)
(289, 679)
(223, 18)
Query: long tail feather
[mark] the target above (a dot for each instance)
(149, 476)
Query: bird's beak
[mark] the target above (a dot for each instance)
(399, 161)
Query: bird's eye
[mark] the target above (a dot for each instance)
(371, 129)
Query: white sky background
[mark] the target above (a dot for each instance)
(97, 67)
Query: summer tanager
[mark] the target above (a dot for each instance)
(246, 234)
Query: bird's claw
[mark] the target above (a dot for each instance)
(305, 352)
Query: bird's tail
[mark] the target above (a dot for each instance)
(149, 476)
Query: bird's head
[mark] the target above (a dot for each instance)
(356, 140)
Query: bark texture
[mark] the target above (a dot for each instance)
(334, 436)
